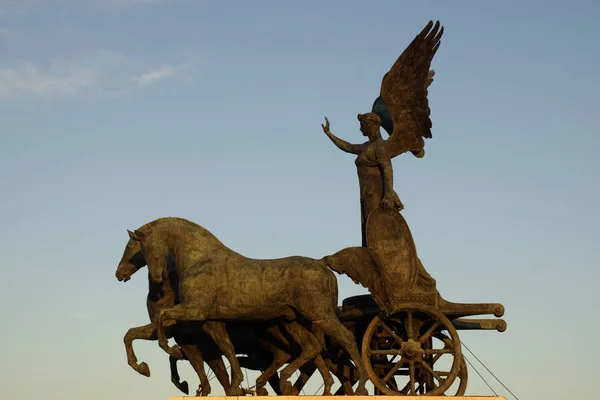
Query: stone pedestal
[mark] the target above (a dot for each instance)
(338, 398)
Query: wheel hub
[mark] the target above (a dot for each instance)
(411, 350)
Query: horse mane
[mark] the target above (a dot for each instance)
(159, 222)
(184, 228)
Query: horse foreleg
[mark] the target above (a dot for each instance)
(280, 357)
(306, 371)
(179, 312)
(275, 383)
(218, 332)
(218, 367)
(183, 386)
(193, 354)
(310, 349)
(324, 371)
(145, 332)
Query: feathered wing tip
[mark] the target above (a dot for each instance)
(404, 92)
(430, 76)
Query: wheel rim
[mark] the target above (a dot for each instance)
(400, 352)
(463, 375)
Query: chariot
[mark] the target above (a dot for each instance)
(409, 344)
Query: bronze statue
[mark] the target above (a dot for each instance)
(402, 109)
(216, 302)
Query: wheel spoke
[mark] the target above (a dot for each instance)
(405, 389)
(393, 370)
(391, 332)
(390, 352)
(409, 324)
(443, 351)
(431, 371)
(429, 332)
(411, 371)
(437, 351)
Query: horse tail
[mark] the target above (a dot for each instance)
(331, 280)
(342, 264)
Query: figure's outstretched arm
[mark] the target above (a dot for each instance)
(341, 144)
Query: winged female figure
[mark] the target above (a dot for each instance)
(403, 111)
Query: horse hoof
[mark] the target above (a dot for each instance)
(287, 389)
(144, 369)
(361, 392)
(203, 391)
(238, 391)
(184, 387)
(262, 392)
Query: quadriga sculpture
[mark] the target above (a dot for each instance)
(217, 283)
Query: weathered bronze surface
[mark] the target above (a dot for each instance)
(264, 314)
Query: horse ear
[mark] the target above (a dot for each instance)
(135, 235)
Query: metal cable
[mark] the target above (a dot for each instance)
(488, 370)
(482, 378)
(316, 391)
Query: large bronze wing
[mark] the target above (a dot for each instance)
(402, 105)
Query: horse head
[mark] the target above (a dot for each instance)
(131, 262)
(154, 251)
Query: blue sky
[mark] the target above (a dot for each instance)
(117, 112)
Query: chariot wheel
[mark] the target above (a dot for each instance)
(414, 351)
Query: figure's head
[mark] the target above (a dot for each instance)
(154, 252)
(369, 124)
(131, 261)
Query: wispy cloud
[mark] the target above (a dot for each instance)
(102, 73)
(29, 79)
(159, 74)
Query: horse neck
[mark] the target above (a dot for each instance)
(189, 250)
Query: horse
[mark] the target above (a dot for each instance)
(160, 296)
(266, 344)
(217, 283)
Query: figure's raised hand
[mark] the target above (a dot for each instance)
(326, 126)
